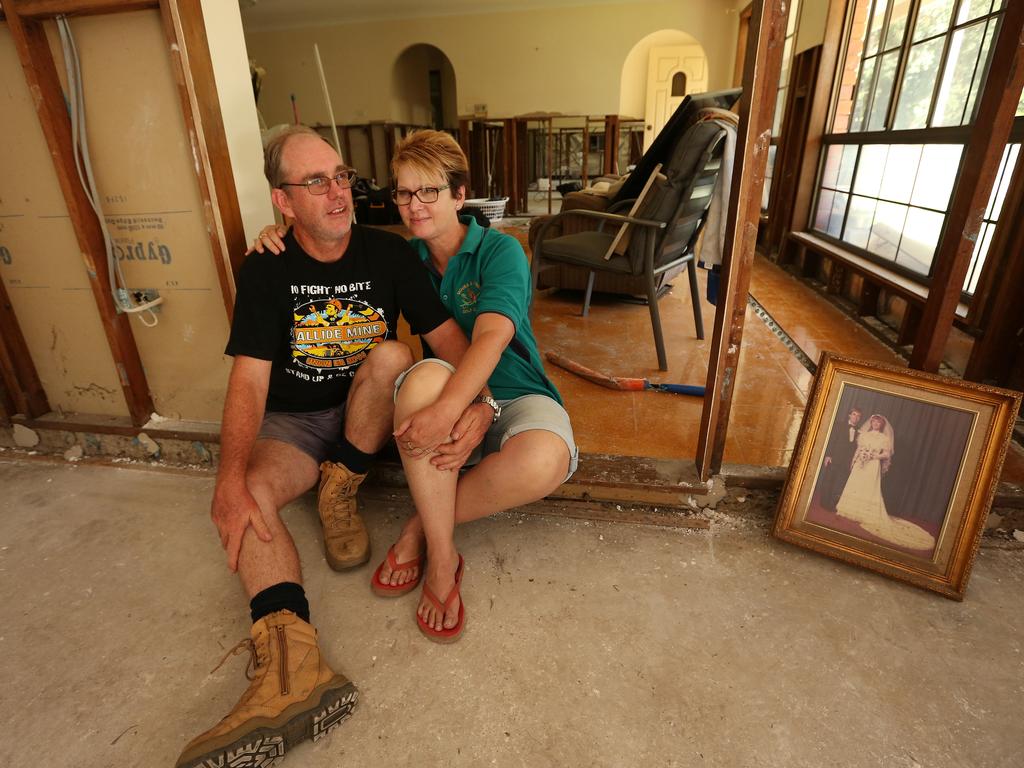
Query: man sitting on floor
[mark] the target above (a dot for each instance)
(310, 397)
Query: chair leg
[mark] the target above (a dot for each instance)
(588, 294)
(535, 268)
(659, 339)
(698, 319)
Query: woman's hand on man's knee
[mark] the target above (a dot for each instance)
(467, 434)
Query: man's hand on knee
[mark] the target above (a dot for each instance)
(233, 510)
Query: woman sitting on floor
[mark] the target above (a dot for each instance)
(527, 448)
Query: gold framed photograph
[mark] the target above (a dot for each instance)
(895, 470)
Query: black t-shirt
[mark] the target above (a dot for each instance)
(317, 322)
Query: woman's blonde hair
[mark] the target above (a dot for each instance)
(430, 153)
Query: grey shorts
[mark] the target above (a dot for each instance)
(519, 414)
(313, 432)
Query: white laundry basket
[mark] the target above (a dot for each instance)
(491, 207)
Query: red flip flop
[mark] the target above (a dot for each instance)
(445, 635)
(383, 589)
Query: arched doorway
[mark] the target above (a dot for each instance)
(423, 88)
(657, 74)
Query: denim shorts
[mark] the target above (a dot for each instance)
(520, 414)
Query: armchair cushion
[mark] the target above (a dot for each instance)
(587, 249)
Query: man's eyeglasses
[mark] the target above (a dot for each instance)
(319, 185)
(423, 194)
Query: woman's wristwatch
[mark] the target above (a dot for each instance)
(491, 402)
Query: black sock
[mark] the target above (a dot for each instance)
(286, 596)
(346, 453)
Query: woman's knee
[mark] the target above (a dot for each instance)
(542, 456)
(423, 384)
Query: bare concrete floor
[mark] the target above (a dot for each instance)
(586, 644)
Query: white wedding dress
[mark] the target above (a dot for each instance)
(862, 500)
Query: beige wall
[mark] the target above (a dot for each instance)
(568, 60)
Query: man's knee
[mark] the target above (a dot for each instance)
(385, 362)
(424, 383)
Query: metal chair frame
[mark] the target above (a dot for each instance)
(655, 246)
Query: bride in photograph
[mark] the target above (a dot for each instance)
(862, 500)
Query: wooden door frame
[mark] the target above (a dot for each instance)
(760, 77)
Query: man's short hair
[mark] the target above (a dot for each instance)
(433, 152)
(856, 410)
(274, 149)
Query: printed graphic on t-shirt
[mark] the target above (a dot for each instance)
(468, 295)
(333, 335)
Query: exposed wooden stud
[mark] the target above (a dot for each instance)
(910, 326)
(612, 136)
(1003, 253)
(741, 46)
(6, 403)
(389, 147)
(760, 78)
(464, 136)
(41, 9)
(21, 384)
(522, 172)
(368, 129)
(189, 49)
(551, 180)
(508, 163)
(981, 159)
(836, 279)
(585, 153)
(41, 75)
(995, 353)
(346, 143)
(810, 265)
(793, 152)
(817, 121)
(868, 303)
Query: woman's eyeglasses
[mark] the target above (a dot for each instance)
(423, 194)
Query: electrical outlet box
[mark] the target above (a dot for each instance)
(144, 296)
(133, 297)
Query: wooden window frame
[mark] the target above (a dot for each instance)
(959, 134)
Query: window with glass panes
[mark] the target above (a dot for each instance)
(909, 82)
(780, 99)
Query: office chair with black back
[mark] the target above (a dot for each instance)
(663, 226)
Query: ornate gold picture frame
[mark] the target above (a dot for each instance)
(895, 470)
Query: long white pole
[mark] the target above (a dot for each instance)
(327, 98)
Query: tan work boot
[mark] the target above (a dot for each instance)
(346, 543)
(293, 696)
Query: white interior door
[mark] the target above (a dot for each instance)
(664, 63)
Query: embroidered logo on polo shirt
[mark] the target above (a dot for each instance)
(468, 295)
(334, 333)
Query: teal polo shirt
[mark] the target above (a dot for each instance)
(490, 274)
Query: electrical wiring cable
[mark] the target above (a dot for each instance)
(83, 164)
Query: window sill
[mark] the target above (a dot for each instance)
(889, 279)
